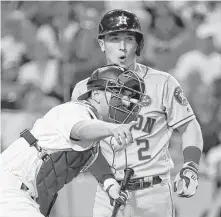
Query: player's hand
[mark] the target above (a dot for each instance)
(186, 181)
(112, 187)
(122, 133)
(122, 199)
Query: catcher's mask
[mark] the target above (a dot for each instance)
(126, 88)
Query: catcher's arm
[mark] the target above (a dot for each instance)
(100, 169)
(96, 130)
(128, 173)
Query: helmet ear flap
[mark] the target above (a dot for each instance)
(138, 50)
(140, 47)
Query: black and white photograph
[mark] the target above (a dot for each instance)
(110, 108)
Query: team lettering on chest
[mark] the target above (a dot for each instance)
(145, 124)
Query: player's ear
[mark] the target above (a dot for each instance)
(101, 43)
(95, 95)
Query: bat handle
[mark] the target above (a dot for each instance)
(116, 209)
(128, 173)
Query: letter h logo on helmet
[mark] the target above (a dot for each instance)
(122, 20)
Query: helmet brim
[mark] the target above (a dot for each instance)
(85, 96)
(92, 86)
(120, 30)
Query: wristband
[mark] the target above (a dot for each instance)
(108, 183)
(192, 153)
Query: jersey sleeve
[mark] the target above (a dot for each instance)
(178, 109)
(80, 88)
(71, 114)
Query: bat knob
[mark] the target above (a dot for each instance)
(129, 171)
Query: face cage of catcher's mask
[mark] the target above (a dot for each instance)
(110, 87)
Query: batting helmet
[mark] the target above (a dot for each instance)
(126, 88)
(119, 20)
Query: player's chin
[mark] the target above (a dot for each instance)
(124, 65)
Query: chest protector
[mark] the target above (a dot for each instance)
(59, 168)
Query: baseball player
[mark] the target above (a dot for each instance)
(65, 141)
(164, 108)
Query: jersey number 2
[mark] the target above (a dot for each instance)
(144, 143)
(142, 152)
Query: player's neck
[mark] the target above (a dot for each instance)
(94, 107)
(133, 65)
(93, 103)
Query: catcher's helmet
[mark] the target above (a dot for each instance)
(119, 20)
(126, 87)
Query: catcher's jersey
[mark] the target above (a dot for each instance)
(164, 108)
(53, 134)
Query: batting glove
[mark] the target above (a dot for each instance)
(186, 181)
(112, 187)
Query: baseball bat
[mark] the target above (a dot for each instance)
(128, 173)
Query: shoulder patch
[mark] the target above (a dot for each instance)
(145, 101)
(179, 96)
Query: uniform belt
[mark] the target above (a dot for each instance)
(25, 188)
(140, 183)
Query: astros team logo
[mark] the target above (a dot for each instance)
(145, 101)
(179, 96)
(123, 20)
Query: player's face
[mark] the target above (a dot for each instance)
(120, 48)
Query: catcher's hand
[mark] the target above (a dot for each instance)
(122, 133)
(186, 181)
(112, 187)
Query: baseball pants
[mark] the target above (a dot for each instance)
(15, 202)
(155, 201)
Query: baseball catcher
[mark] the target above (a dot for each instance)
(65, 142)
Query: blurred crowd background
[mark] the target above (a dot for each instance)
(47, 47)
